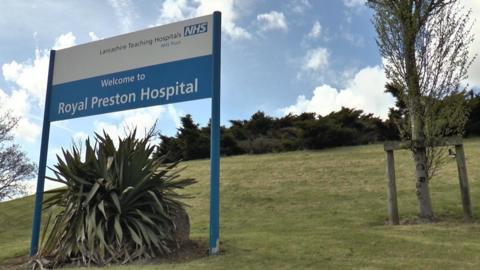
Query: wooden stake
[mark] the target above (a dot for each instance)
(463, 181)
(392, 190)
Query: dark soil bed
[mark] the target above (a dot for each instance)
(190, 250)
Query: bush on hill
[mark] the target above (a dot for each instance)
(265, 134)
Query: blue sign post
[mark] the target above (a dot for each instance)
(37, 212)
(215, 141)
(161, 65)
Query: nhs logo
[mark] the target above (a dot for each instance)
(194, 29)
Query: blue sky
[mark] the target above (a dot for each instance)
(277, 56)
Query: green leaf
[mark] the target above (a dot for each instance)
(118, 229)
(45, 228)
(109, 162)
(116, 201)
(92, 193)
(144, 217)
(135, 236)
(101, 207)
(102, 244)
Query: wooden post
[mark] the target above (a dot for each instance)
(463, 181)
(392, 190)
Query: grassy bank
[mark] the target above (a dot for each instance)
(313, 210)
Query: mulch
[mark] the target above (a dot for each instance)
(190, 250)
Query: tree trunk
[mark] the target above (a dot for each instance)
(422, 188)
(416, 121)
(420, 161)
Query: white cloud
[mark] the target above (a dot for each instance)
(93, 36)
(30, 186)
(142, 119)
(30, 81)
(354, 3)
(17, 104)
(27, 130)
(300, 6)
(64, 41)
(11, 71)
(365, 91)
(229, 16)
(49, 185)
(474, 74)
(316, 59)
(80, 136)
(54, 152)
(175, 10)
(125, 13)
(316, 30)
(175, 115)
(273, 20)
(31, 76)
(354, 39)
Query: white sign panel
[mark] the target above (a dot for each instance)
(160, 65)
(157, 45)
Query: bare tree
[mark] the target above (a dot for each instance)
(425, 46)
(14, 164)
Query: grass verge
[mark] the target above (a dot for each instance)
(313, 210)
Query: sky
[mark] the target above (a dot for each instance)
(280, 57)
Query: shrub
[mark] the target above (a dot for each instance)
(229, 146)
(262, 145)
(169, 149)
(117, 206)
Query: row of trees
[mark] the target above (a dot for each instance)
(264, 134)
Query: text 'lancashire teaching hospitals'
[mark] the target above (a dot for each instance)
(165, 92)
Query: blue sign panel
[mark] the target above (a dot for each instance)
(172, 82)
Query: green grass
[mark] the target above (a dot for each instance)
(15, 227)
(313, 210)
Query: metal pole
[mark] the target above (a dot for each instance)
(214, 245)
(37, 215)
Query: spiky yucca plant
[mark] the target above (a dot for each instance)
(117, 206)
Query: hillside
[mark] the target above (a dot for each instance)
(314, 210)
